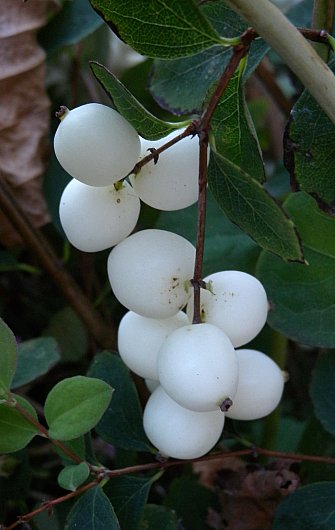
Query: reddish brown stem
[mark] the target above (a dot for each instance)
(45, 433)
(154, 154)
(253, 451)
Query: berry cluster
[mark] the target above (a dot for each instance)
(196, 374)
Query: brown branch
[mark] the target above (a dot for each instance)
(267, 78)
(253, 452)
(104, 335)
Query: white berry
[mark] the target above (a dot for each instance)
(96, 218)
(140, 338)
(171, 183)
(198, 368)
(236, 303)
(149, 272)
(260, 386)
(96, 145)
(178, 432)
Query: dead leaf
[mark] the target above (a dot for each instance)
(248, 494)
(24, 110)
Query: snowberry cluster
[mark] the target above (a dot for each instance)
(195, 373)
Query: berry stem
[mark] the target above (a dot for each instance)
(202, 127)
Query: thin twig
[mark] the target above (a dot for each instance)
(104, 335)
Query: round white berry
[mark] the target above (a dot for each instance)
(178, 432)
(260, 386)
(96, 145)
(197, 367)
(236, 303)
(140, 338)
(171, 183)
(151, 384)
(149, 272)
(94, 218)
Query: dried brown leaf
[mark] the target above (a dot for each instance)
(24, 110)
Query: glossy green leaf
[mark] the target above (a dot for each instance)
(129, 494)
(92, 511)
(302, 297)
(15, 430)
(191, 501)
(74, 21)
(35, 358)
(234, 134)
(121, 425)
(161, 517)
(226, 246)
(322, 390)
(75, 405)
(309, 507)
(249, 206)
(310, 150)
(70, 333)
(181, 85)
(71, 477)
(8, 357)
(157, 28)
(145, 123)
(316, 441)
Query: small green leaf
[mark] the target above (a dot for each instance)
(15, 430)
(71, 477)
(234, 134)
(302, 297)
(157, 28)
(44, 352)
(8, 357)
(129, 494)
(248, 205)
(161, 517)
(309, 507)
(92, 511)
(310, 150)
(74, 21)
(75, 405)
(121, 425)
(77, 446)
(71, 334)
(145, 123)
(322, 390)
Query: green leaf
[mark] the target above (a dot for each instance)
(157, 28)
(129, 494)
(75, 405)
(121, 425)
(226, 246)
(322, 390)
(155, 517)
(233, 130)
(302, 297)
(316, 441)
(15, 430)
(145, 123)
(70, 333)
(35, 358)
(71, 477)
(248, 205)
(191, 501)
(77, 446)
(309, 507)
(310, 150)
(181, 85)
(8, 356)
(75, 21)
(92, 511)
